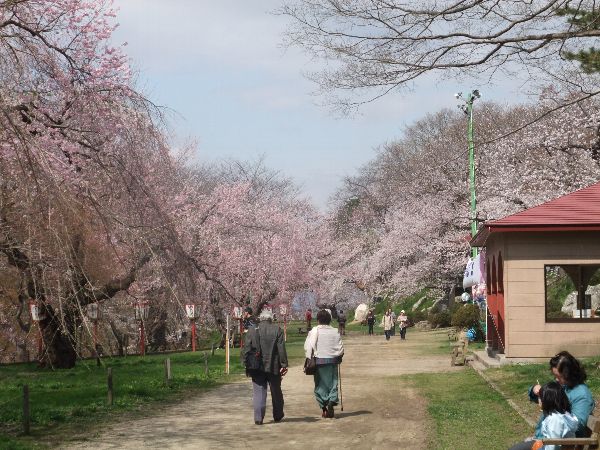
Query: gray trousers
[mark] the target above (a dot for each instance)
(259, 395)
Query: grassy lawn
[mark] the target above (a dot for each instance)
(75, 400)
(467, 413)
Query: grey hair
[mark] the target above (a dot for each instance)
(266, 314)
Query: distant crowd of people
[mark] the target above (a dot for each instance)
(390, 322)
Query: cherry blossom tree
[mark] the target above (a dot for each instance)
(79, 158)
(405, 217)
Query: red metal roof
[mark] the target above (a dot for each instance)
(579, 210)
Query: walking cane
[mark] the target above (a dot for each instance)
(340, 383)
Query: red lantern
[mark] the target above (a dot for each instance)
(142, 309)
(192, 313)
(237, 312)
(37, 313)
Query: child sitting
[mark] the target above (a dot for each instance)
(558, 420)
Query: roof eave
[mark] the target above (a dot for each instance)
(480, 239)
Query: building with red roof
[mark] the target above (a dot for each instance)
(543, 277)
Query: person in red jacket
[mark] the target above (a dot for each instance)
(308, 318)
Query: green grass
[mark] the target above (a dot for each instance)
(72, 400)
(467, 413)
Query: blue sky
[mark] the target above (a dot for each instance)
(220, 65)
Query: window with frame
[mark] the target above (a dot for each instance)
(572, 292)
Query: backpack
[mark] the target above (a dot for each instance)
(253, 358)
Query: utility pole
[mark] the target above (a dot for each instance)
(468, 109)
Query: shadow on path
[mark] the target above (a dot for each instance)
(341, 415)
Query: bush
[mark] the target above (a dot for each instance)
(466, 316)
(416, 316)
(439, 319)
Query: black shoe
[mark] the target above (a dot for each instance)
(330, 411)
(324, 413)
(258, 422)
(279, 420)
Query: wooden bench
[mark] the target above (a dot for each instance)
(587, 443)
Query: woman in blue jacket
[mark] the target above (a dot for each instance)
(569, 372)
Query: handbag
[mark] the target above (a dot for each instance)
(253, 359)
(310, 364)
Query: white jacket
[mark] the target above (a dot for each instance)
(388, 322)
(328, 345)
(558, 425)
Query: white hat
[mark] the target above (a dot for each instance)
(402, 312)
(266, 314)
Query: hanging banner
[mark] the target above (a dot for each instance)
(472, 274)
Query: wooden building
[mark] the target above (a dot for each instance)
(543, 278)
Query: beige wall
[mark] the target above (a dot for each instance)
(525, 254)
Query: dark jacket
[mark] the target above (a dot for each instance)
(272, 346)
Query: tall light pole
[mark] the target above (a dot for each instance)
(468, 109)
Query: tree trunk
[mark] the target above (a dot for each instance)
(58, 339)
(157, 331)
(120, 338)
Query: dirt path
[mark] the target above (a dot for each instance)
(379, 411)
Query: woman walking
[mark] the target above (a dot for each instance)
(325, 343)
(403, 321)
(388, 324)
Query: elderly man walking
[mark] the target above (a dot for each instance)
(266, 342)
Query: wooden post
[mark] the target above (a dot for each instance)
(227, 347)
(26, 409)
(205, 363)
(212, 349)
(167, 370)
(193, 335)
(110, 387)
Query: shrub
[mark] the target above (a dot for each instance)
(439, 319)
(416, 316)
(466, 316)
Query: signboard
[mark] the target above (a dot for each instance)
(237, 312)
(282, 310)
(191, 311)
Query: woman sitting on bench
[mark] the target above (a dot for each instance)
(569, 372)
